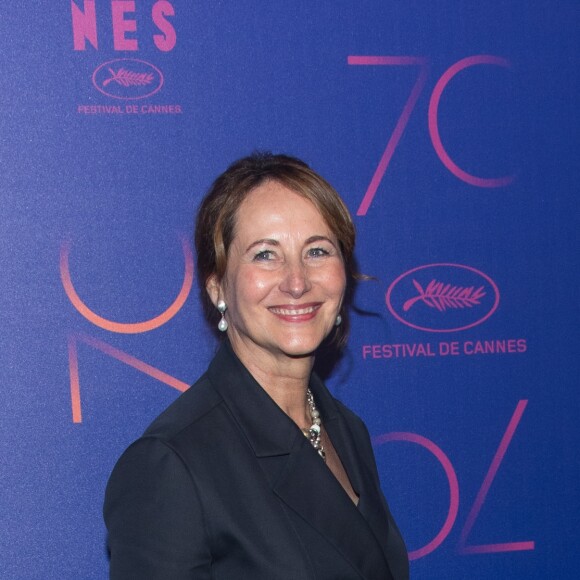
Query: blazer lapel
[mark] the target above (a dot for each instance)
(309, 488)
(356, 465)
(295, 471)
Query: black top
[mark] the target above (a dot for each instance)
(223, 485)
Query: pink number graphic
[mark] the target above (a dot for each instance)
(462, 546)
(451, 478)
(75, 389)
(434, 121)
(127, 327)
(403, 119)
(119, 327)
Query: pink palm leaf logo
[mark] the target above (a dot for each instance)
(443, 296)
(127, 78)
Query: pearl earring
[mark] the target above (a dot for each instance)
(338, 320)
(223, 323)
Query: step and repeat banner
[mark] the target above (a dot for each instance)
(451, 131)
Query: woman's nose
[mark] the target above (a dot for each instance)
(295, 281)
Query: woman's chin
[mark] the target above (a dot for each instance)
(300, 348)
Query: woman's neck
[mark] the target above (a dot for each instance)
(283, 377)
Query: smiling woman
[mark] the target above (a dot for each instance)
(285, 279)
(257, 471)
(219, 212)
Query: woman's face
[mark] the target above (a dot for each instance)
(285, 277)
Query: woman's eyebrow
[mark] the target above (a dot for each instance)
(268, 241)
(272, 242)
(313, 239)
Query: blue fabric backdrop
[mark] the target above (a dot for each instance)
(450, 129)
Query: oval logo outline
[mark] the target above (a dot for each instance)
(479, 273)
(156, 70)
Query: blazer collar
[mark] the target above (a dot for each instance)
(269, 431)
(296, 473)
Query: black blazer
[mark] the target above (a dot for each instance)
(223, 485)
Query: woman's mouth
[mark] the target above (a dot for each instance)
(295, 313)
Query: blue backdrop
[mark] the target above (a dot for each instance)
(450, 129)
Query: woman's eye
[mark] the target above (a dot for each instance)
(317, 252)
(264, 256)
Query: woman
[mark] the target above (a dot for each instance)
(224, 484)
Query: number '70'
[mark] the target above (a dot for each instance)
(422, 64)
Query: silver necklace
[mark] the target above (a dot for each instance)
(313, 432)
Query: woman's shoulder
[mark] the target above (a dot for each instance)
(185, 412)
(176, 436)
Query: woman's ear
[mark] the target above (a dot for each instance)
(213, 289)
